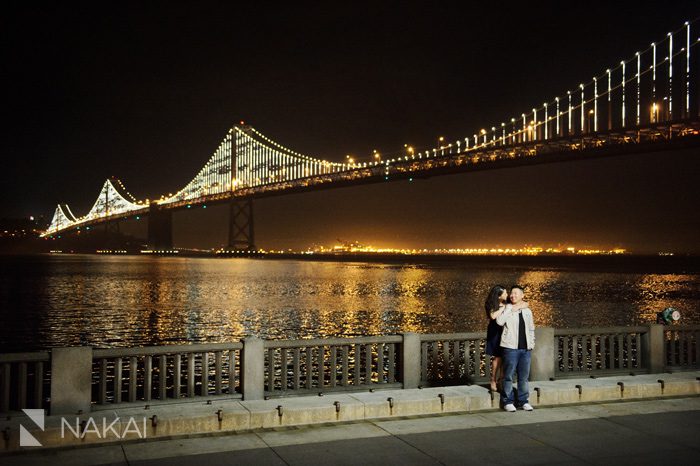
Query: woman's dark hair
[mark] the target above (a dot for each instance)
(493, 301)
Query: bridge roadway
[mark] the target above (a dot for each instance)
(643, 430)
(667, 136)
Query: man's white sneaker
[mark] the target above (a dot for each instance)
(510, 407)
(527, 407)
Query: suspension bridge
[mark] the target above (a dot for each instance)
(648, 102)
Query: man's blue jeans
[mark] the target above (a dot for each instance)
(516, 361)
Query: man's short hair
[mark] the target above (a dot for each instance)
(520, 287)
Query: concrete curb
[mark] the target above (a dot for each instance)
(232, 416)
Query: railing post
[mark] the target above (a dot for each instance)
(253, 369)
(71, 379)
(654, 348)
(542, 365)
(410, 360)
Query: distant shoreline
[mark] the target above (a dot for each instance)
(667, 264)
(671, 264)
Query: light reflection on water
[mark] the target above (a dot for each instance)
(129, 301)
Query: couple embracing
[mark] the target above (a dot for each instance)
(510, 338)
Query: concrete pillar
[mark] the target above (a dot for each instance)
(654, 349)
(410, 360)
(71, 379)
(253, 369)
(542, 366)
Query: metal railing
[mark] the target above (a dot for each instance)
(682, 347)
(599, 350)
(333, 364)
(254, 369)
(454, 358)
(24, 380)
(165, 372)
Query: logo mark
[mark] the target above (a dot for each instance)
(25, 438)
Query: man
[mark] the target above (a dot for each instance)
(517, 341)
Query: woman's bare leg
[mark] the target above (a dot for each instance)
(496, 369)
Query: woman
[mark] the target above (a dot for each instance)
(495, 305)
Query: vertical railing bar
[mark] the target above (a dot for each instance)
(218, 368)
(38, 384)
(334, 366)
(346, 365)
(628, 343)
(132, 379)
(102, 385)
(380, 363)
(118, 380)
(162, 376)
(232, 371)
(22, 385)
(565, 352)
(204, 389)
(309, 367)
(603, 352)
(392, 363)
(368, 363)
(321, 366)
(296, 379)
(358, 362)
(445, 359)
(271, 370)
(477, 360)
(620, 354)
(177, 379)
(189, 377)
(147, 377)
(423, 361)
(283, 366)
(5, 389)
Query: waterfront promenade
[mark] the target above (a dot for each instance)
(624, 432)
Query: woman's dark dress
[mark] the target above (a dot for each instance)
(493, 339)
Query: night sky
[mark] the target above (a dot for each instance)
(145, 93)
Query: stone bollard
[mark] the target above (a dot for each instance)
(71, 380)
(542, 365)
(653, 348)
(253, 369)
(410, 360)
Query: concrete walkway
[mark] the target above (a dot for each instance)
(623, 432)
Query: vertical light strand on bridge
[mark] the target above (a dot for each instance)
(595, 104)
(583, 109)
(503, 139)
(546, 121)
(609, 99)
(670, 76)
(522, 136)
(533, 135)
(248, 161)
(556, 99)
(569, 112)
(639, 84)
(687, 69)
(623, 93)
(654, 105)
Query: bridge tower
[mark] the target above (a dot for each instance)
(241, 235)
(160, 228)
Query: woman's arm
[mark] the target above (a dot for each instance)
(501, 319)
(497, 313)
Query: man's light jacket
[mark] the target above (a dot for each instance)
(510, 322)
